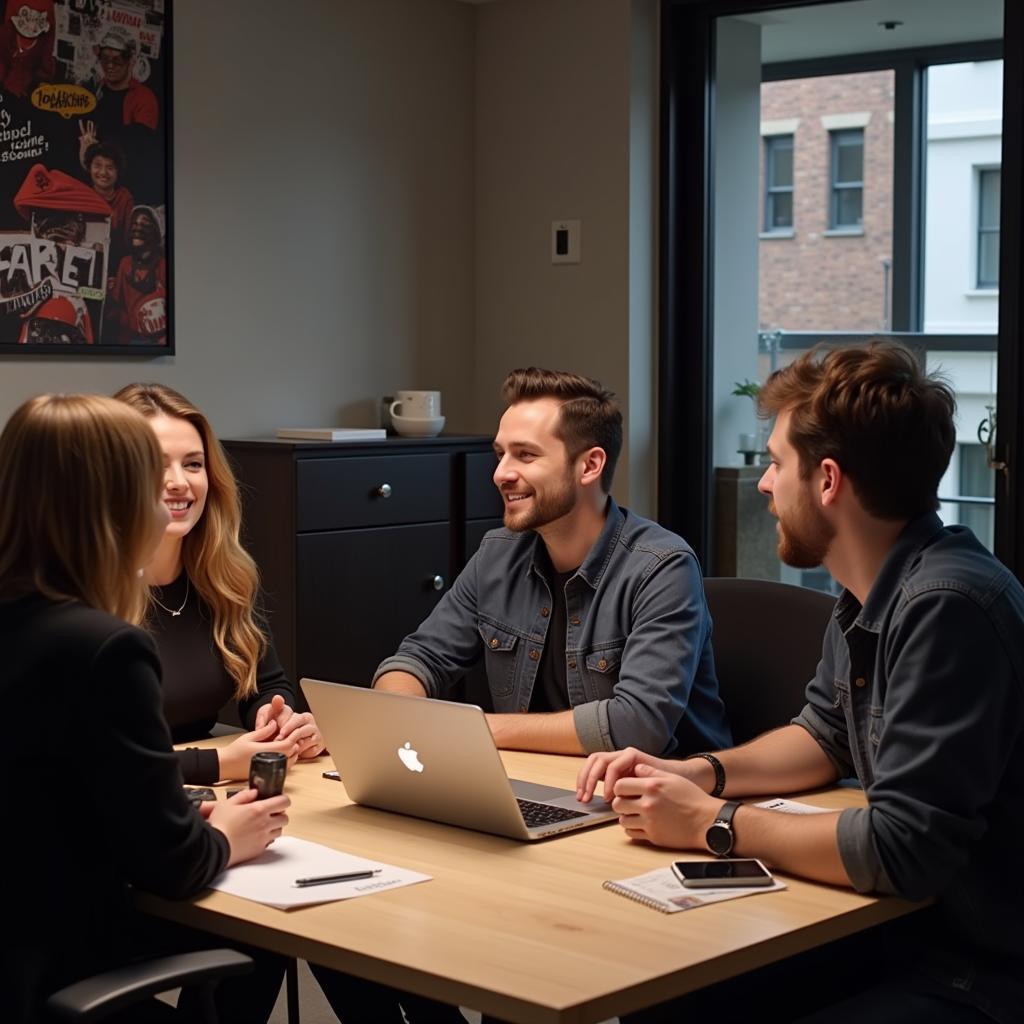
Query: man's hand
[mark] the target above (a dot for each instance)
(301, 726)
(612, 765)
(663, 808)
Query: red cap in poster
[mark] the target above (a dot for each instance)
(55, 190)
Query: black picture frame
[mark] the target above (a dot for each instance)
(85, 179)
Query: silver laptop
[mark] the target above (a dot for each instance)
(435, 759)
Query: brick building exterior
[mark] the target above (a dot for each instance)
(812, 278)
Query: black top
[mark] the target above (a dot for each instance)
(196, 683)
(551, 687)
(104, 806)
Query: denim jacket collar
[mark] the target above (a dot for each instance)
(596, 562)
(914, 536)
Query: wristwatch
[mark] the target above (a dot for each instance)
(720, 836)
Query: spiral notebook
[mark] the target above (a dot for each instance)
(661, 890)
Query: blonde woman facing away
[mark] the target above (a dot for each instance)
(204, 603)
(81, 511)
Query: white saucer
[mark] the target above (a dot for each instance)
(416, 426)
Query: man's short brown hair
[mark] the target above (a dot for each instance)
(590, 415)
(886, 423)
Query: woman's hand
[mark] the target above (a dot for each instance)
(235, 757)
(299, 725)
(250, 824)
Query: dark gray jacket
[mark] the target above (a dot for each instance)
(920, 694)
(638, 642)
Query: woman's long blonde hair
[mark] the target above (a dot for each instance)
(80, 478)
(220, 569)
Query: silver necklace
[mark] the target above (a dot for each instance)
(170, 611)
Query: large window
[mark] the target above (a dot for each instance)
(988, 229)
(846, 210)
(897, 221)
(778, 184)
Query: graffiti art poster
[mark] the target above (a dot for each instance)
(84, 176)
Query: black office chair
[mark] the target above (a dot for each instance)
(767, 643)
(96, 998)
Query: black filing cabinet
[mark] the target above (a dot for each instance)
(356, 543)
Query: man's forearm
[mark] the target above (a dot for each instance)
(787, 760)
(799, 844)
(401, 682)
(545, 733)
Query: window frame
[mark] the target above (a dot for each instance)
(772, 145)
(981, 230)
(837, 188)
(686, 279)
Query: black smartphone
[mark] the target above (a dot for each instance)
(331, 775)
(714, 874)
(198, 794)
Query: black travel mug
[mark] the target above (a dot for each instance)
(266, 773)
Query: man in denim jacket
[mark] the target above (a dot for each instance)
(919, 693)
(584, 612)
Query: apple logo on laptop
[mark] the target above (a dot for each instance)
(410, 758)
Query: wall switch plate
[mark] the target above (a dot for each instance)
(565, 241)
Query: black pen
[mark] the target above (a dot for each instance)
(351, 876)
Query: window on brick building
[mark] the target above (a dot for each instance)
(846, 209)
(778, 183)
(988, 228)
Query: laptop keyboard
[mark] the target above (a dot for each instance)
(536, 815)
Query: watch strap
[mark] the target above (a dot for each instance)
(723, 822)
(719, 787)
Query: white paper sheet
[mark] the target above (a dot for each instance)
(792, 807)
(270, 878)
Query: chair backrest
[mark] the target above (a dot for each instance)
(767, 643)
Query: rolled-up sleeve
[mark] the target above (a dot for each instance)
(447, 643)
(669, 627)
(952, 715)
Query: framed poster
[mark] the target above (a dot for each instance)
(85, 177)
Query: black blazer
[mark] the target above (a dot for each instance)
(94, 796)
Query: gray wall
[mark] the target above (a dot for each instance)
(323, 215)
(364, 203)
(553, 141)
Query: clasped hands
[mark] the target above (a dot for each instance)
(658, 801)
(278, 728)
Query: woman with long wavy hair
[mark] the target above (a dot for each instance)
(204, 611)
(81, 511)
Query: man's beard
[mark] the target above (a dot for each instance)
(805, 535)
(546, 509)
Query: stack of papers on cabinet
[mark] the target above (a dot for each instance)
(332, 433)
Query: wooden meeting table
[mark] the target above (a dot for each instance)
(523, 931)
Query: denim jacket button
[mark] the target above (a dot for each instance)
(494, 641)
(572, 664)
(534, 654)
(602, 664)
(860, 681)
(545, 612)
(575, 620)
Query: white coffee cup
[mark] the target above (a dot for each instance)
(419, 405)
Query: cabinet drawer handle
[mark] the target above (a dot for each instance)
(384, 491)
(437, 582)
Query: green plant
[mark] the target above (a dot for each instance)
(749, 388)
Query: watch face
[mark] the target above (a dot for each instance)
(719, 839)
